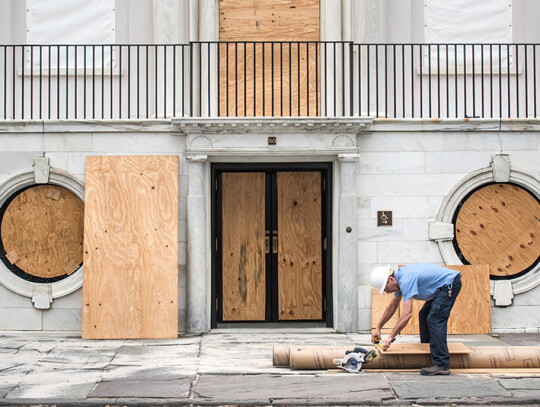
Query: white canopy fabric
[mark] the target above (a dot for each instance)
(71, 22)
(467, 22)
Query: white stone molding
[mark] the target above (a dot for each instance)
(347, 273)
(42, 296)
(439, 230)
(343, 141)
(38, 291)
(502, 293)
(197, 276)
(501, 167)
(246, 140)
(200, 142)
(41, 170)
(295, 137)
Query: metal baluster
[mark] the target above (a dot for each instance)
(429, 79)
(516, 46)
(473, 83)
(412, 79)
(508, 76)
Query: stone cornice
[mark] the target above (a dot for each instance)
(269, 126)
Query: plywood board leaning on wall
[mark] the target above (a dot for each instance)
(130, 284)
(471, 313)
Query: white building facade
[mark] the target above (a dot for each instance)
(398, 128)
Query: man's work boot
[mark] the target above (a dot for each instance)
(434, 370)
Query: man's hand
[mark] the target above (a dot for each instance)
(376, 333)
(387, 342)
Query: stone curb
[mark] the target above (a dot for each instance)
(499, 401)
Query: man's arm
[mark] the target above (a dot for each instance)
(406, 314)
(389, 311)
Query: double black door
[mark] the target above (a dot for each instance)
(271, 243)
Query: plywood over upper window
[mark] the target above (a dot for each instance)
(280, 77)
(269, 20)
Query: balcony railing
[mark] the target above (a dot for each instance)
(238, 79)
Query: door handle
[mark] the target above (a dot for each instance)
(274, 244)
(267, 244)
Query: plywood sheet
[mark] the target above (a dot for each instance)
(498, 226)
(42, 231)
(271, 79)
(243, 228)
(471, 313)
(378, 305)
(259, 79)
(130, 287)
(269, 20)
(300, 245)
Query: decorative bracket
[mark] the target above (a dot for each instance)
(440, 231)
(41, 170)
(503, 293)
(501, 167)
(42, 296)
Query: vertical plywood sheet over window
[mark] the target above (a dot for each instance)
(471, 313)
(299, 246)
(130, 287)
(244, 270)
(275, 78)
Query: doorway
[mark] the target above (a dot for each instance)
(271, 254)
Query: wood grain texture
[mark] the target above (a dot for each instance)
(244, 269)
(42, 231)
(269, 20)
(378, 304)
(471, 313)
(270, 79)
(299, 245)
(130, 287)
(498, 226)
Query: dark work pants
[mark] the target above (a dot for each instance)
(433, 318)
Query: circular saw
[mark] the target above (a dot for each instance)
(352, 362)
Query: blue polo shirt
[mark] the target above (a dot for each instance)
(422, 280)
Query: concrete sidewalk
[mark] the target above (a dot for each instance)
(232, 367)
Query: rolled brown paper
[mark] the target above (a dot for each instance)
(281, 356)
(322, 358)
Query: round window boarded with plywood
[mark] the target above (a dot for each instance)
(41, 233)
(499, 224)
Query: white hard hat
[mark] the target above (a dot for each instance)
(379, 277)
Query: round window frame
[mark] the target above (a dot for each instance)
(11, 185)
(527, 180)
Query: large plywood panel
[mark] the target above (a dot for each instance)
(498, 226)
(42, 231)
(299, 246)
(278, 79)
(269, 20)
(244, 270)
(270, 79)
(378, 304)
(471, 313)
(130, 287)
